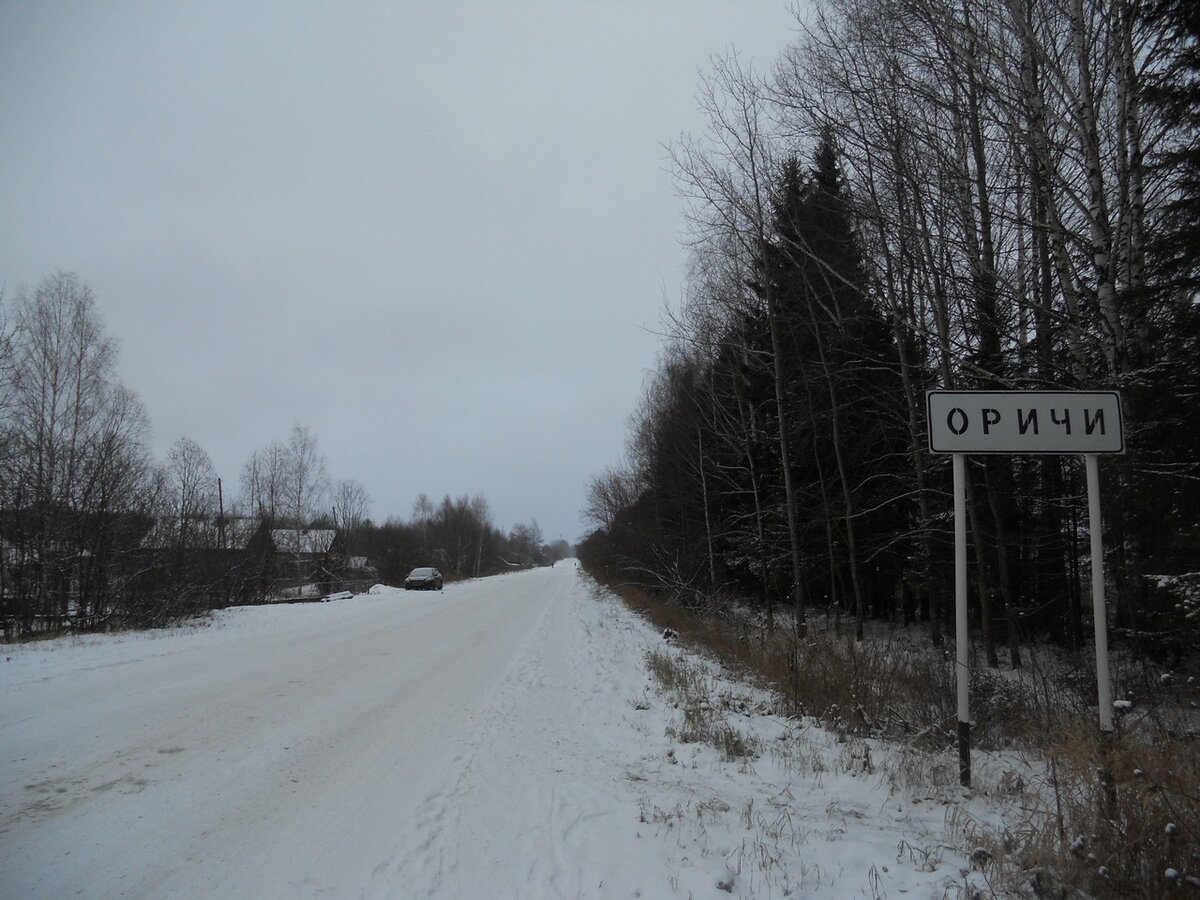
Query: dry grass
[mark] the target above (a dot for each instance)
(1137, 839)
(703, 721)
(859, 689)
(1134, 834)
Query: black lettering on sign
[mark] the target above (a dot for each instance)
(1091, 422)
(962, 420)
(1065, 421)
(990, 418)
(1024, 423)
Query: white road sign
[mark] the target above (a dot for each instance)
(1024, 422)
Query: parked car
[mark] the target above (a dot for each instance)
(423, 578)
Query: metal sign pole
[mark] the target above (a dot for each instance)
(962, 666)
(1099, 611)
(1100, 623)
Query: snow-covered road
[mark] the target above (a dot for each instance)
(500, 739)
(290, 751)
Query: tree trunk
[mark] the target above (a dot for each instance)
(788, 489)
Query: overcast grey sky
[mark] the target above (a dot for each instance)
(439, 234)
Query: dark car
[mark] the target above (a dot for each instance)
(423, 578)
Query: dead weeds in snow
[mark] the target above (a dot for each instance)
(703, 712)
(1130, 833)
(1068, 830)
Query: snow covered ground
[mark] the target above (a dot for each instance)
(500, 739)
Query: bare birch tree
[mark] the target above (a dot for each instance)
(351, 506)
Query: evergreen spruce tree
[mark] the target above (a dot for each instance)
(841, 380)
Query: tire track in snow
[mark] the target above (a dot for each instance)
(435, 860)
(535, 802)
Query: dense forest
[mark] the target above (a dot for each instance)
(96, 533)
(924, 194)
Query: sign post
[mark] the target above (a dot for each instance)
(1100, 613)
(1019, 422)
(962, 664)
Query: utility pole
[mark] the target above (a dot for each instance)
(221, 540)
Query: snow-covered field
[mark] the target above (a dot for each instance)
(500, 739)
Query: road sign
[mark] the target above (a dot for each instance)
(1025, 422)
(1014, 422)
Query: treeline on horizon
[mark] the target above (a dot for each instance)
(96, 533)
(924, 194)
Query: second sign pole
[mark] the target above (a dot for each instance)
(961, 638)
